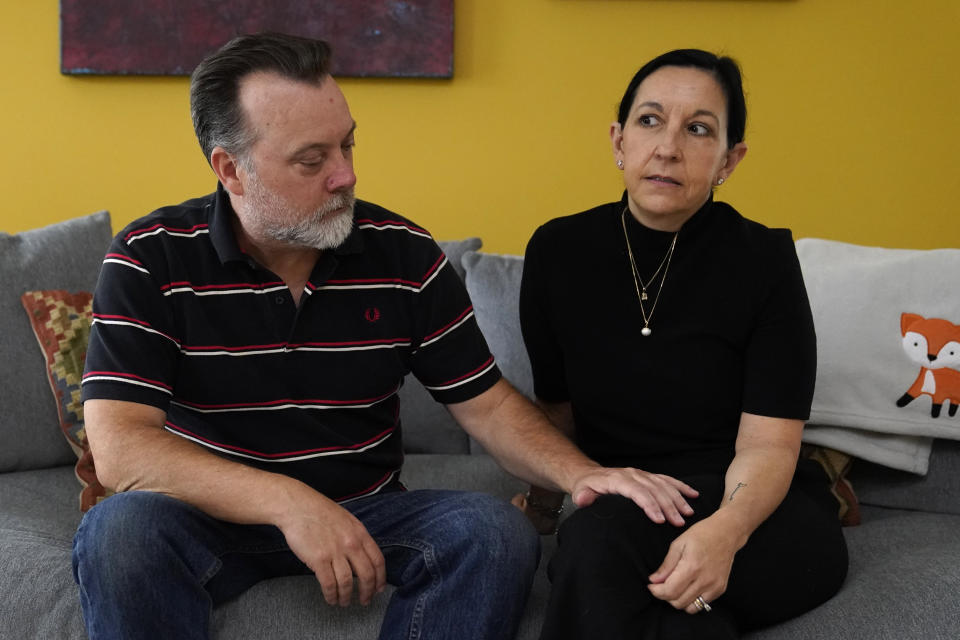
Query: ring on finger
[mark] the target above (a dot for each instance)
(702, 605)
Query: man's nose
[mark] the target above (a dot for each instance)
(342, 177)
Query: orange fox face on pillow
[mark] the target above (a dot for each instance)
(934, 344)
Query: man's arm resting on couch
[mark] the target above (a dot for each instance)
(132, 451)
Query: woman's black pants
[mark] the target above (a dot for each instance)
(795, 560)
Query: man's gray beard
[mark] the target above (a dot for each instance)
(268, 209)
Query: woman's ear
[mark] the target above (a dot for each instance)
(734, 156)
(616, 142)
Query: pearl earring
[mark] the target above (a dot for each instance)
(719, 181)
(619, 164)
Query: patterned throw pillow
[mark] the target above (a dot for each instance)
(837, 464)
(61, 323)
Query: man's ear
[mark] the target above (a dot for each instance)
(227, 169)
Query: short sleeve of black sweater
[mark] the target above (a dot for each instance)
(732, 332)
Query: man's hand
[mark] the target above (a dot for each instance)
(661, 497)
(134, 452)
(336, 547)
(697, 564)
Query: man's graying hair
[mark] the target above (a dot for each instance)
(215, 84)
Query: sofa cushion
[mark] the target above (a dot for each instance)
(456, 249)
(39, 501)
(37, 524)
(937, 491)
(493, 282)
(40, 598)
(427, 425)
(874, 308)
(61, 322)
(902, 582)
(66, 256)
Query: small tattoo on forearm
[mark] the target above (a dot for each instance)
(739, 484)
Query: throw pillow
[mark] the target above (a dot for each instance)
(61, 322)
(67, 256)
(885, 325)
(837, 465)
(907, 453)
(493, 282)
(427, 425)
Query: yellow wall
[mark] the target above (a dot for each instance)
(854, 119)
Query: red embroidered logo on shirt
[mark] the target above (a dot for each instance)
(372, 314)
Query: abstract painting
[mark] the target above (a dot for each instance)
(169, 37)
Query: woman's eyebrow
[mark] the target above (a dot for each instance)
(705, 112)
(651, 104)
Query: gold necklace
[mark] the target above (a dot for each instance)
(638, 281)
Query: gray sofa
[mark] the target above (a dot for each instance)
(904, 557)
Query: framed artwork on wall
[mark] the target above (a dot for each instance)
(411, 38)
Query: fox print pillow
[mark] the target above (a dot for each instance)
(888, 337)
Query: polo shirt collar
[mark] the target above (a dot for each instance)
(225, 240)
(221, 229)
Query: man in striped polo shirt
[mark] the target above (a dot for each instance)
(241, 388)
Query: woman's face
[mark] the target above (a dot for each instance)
(674, 146)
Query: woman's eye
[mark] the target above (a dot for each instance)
(647, 121)
(699, 129)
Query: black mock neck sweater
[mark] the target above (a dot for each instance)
(732, 332)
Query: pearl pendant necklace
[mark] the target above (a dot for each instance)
(638, 281)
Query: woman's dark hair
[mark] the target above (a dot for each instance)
(215, 84)
(724, 69)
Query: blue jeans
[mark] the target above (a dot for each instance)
(463, 564)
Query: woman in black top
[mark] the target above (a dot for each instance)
(670, 334)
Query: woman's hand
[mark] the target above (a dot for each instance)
(697, 564)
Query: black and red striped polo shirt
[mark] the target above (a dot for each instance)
(187, 322)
